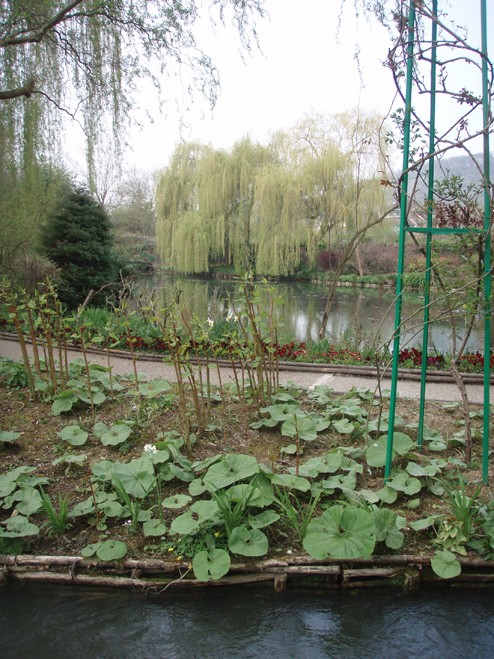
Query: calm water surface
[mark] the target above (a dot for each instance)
(52, 623)
(359, 315)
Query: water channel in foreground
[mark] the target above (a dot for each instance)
(58, 623)
(360, 316)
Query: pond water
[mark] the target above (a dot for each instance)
(56, 623)
(359, 316)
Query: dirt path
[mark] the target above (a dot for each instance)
(307, 377)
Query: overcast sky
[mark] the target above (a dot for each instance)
(306, 64)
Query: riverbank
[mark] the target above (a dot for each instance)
(409, 572)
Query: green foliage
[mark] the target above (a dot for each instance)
(7, 437)
(12, 373)
(84, 59)
(295, 514)
(230, 469)
(445, 564)
(376, 452)
(108, 550)
(74, 435)
(77, 239)
(114, 435)
(269, 208)
(212, 564)
(341, 532)
(248, 542)
(464, 507)
(58, 520)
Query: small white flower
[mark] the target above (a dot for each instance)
(150, 448)
(289, 551)
(210, 322)
(127, 522)
(230, 315)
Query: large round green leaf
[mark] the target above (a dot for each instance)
(64, 402)
(299, 424)
(176, 501)
(260, 496)
(343, 426)
(445, 564)
(111, 508)
(90, 550)
(341, 532)
(154, 388)
(376, 452)
(137, 477)
(111, 550)
(103, 470)
(74, 435)
(153, 527)
(263, 519)
(190, 522)
(231, 469)
(291, 481)
(212, 564)
(248, 542)
(19, 527)
(387, 530)
(28, 500)
(7, 436)
(115, 435)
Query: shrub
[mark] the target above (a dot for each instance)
(329, 259)
(379, 259)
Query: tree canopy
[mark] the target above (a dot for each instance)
(266, 208)
(85, 59)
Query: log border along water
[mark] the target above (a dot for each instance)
(408, 572)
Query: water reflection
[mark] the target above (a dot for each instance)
(46, 622)
(359, 316)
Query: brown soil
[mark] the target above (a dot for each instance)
(39, 445)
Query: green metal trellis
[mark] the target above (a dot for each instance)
(429, 231)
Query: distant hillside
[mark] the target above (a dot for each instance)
(462, 166)
(456, 166)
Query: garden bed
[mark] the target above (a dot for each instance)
(139, 475)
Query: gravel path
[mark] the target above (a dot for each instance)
(307, 377)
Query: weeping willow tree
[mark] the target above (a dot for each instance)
(265, 208)
(320, 180)
(177, 204)
(204, 203)
(360, 136)
(83, 59)
(246, 161)
(278, 222)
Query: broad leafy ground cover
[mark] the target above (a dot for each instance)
(122, 470)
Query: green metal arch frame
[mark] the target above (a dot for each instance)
(429, 231)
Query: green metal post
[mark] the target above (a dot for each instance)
(428, 258)
(401, 244)
(487, 248)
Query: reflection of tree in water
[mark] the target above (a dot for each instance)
(357, 316)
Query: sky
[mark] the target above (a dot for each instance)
(306, 65)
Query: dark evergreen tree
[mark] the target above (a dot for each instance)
(78, 240)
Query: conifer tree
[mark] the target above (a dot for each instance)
(77, 239)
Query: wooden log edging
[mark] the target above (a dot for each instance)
(156, 576)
